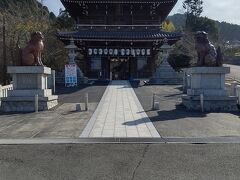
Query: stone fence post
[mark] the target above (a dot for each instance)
(52, 81)
(1, 93)
(234, 88)
(238, 93)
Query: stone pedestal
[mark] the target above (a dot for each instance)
(210, 82)
(29, 81)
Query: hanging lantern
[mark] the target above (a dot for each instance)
(90, 51)
(123, 52)
(111, 51)
(127, 52)
(133, 52)
(100, 51)
(143, 52)
(138, 52)
(115, 52)
(105, 51)
(95, 51)
(148, 52)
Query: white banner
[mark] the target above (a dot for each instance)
(70, 75)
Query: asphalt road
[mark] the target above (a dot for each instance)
(235, 71)
(120, 162)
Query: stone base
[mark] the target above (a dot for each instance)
(166, 75)
(29, 81)
(27, 104)
(211, 103)
(210, 82)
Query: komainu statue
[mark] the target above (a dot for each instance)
(31, 55)
(207, 53)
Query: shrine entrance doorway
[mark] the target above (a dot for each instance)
(119, 69)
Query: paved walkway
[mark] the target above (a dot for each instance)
(119, 114)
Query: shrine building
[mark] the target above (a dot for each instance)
(119, 38)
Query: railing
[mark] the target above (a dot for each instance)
(4, 90)
(228, 88)
(233, 89)
(118, 26)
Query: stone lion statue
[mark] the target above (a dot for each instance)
(207, 53)
(31, 55)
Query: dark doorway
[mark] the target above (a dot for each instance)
(119, 68)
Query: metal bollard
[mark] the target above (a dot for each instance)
(53, 81)
(202, 102)
(156, 105)
(153, 101)
(1, 91)
(86, 102)
(36, 103)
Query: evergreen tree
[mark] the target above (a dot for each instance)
(194, 9)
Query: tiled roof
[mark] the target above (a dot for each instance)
(120, 35)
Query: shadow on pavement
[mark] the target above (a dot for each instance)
(60, 89)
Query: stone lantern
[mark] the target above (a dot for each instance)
(72, 52)
(165, 48)
(72, 55)
(165, 74)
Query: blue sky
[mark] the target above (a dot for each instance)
(221, 10)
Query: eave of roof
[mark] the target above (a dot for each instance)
(119, 35)
(164, 7)
(120, 1)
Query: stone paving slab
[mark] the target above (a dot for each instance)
(118, 113)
